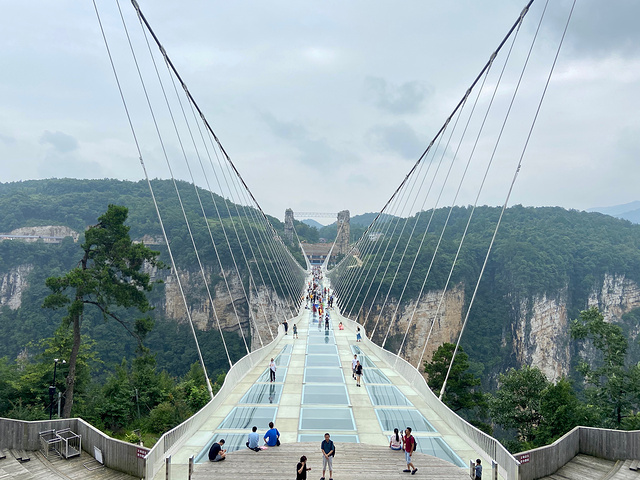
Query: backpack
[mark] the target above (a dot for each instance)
(415, 444)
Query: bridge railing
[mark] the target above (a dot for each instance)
(597, 442)
(116, 454)
(492, 448)
(173, 439)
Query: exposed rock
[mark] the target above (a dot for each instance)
(50, 233)
(12, 284)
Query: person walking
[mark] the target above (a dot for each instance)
(358, 373)
(302, 469)
(409, 448)
(354, 364)
(286, 326)
(295, 331)
(358, 336)
(272, 370)
(328, 450)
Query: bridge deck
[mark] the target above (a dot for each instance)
(303, 409)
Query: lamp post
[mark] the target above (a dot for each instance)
(52, 388)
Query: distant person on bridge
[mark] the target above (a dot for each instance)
(272, 370)
(295, 331)
(395, 442)
(354, 364)
(286, 326)
(358, 336)
(216, 453)
(358, 373)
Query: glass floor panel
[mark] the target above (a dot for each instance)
(232, 442)
(263, 393)
(437, 447)
(374, 375)
(323, 375)
(355, 349)
(319, 437)
(326, 419)
(387, 395)
(322, 361)
(287, 349)
(281, 373)
(282, 360)
(247, 417)
(401, 418)
(325, 395)
(322, 350)
(316, 332)
(320, 339)
(366, 362)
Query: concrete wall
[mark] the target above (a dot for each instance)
(117, 455)
(597, 442)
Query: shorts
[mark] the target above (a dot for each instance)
(407, 456)
(395, 448)
(218, 458)
(325, 461)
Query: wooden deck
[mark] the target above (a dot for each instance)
(583, 467)
(354, 461)
(39, 468)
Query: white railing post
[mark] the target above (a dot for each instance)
(190, 466)
(167, 463)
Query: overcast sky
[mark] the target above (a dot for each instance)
(325, 106)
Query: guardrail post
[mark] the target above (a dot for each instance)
(167, 463)
(472, 469)
(494, 469)
(190, 466)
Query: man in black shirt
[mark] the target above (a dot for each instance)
(216, 453)
(301, 469)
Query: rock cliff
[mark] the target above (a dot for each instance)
(13, 284)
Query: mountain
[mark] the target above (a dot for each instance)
(627, 211)
(312, 223)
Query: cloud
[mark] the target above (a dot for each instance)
(396, 99)
(312, 151)
(61, 142)
(7, 140)
(398, 138)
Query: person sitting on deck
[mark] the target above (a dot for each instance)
(216, 453)
(272, 437)
(254, 438)
(395, 442)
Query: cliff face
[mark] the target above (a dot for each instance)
(13, 284)
(446, 327)
(258, 316)
(539, 329)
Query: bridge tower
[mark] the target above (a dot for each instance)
(288, 225)
(344, 232)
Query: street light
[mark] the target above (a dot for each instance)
(52, 388)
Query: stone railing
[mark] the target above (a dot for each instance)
(492, 448)
(597, 442)
(116, 454)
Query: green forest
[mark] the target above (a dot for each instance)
(121, 388)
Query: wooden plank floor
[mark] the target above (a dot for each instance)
(355, 461)
(39, 468)
(583, 467)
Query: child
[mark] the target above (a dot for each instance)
(295, 331)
